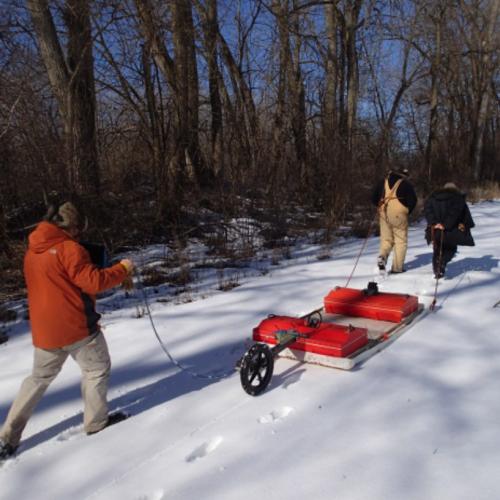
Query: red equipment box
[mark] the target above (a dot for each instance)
(380, 306)
(327, 339)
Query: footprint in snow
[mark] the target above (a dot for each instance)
(204, 449)
(276, 415)
(70, 433)
(157, 495)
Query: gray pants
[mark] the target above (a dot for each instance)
(93, 359)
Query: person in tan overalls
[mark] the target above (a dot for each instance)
(395, 198)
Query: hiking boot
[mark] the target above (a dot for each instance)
(6, 450)
(381, 262)
(397, 272)
(439, 271)
(113, 418)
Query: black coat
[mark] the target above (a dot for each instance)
(449, 208)
(405, 192)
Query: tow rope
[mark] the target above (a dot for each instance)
(363, 246)
(207, 376)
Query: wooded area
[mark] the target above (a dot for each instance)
(151, 111)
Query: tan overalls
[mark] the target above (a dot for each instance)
(393, 227)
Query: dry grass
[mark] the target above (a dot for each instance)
(7, 315)
(12, 285)
(226, 283)
(489, 190)
(154, 277)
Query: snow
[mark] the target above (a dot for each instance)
(419, 420)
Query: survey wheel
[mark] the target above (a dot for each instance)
(256, 369)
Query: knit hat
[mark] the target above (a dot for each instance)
(67, 217)
(450, 185)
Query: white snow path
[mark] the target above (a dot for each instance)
(417, 421)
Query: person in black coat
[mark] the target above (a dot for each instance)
(449, 223)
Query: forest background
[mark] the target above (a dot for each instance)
(166, 120)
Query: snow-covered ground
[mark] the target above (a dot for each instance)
(419, 420)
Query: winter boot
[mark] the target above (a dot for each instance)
(397, 272)
(381, 261)
(438, 270)
(113, 418)
(439, 273)
(6, 450)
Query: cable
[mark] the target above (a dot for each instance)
(368, 233)
(193, 374)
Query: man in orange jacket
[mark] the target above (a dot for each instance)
(62, 283)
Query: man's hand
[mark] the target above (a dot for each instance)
(128, 265)
(128, 283)
(461, 227)
(439, 226)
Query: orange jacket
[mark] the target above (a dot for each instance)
(62, 283)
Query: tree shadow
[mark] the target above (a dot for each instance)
(133, 402)
(458, 266)
(420, 260)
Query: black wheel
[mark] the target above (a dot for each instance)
(256, 369)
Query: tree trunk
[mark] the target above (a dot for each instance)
(211, 28)
(298, 103)
(157, 147)
(351, 22)
(72, 81)
(433, 118)
(83, 165)
(331, 70)
(281, 117)
(187, 82)
(484, 90)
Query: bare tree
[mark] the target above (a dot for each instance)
(72, 79)
(401, 31)
(180, 72)
(486, 41)
(331, 69)
(236, 97)
(211, 30)
(350, 25)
